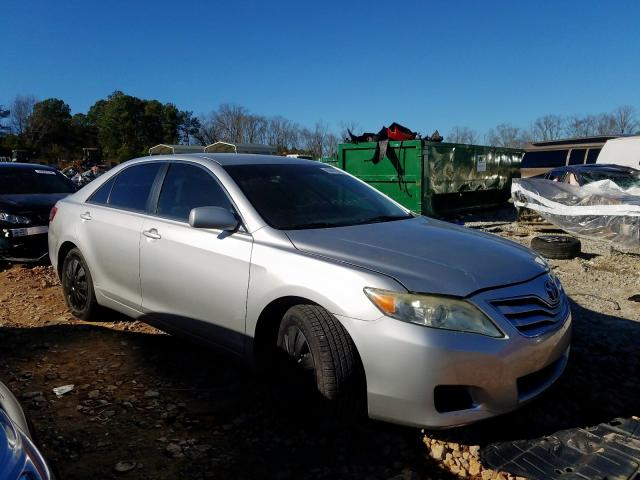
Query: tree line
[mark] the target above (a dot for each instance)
(621, 121)
(123, 127)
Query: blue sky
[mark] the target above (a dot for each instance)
(424, 64)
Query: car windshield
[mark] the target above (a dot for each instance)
(623, 180)
(291, 197)
(26, 181)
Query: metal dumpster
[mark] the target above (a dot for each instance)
(434, 178)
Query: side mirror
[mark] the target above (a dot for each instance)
(213, 217)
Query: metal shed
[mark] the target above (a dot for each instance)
(166, 149)
(227, 147)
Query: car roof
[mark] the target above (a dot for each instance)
(605, 167)
(225, 159)
(25, 166)
(600, 167)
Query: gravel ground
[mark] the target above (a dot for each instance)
(146, 405)
(601, 379)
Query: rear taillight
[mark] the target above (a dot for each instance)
(52, 214)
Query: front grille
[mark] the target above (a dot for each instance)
(532, 315)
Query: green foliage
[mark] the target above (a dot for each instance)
(188, 127)
(85, 134)
(8, 143)
(50, 130)
(127, 126)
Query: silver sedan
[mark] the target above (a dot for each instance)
(295, 264)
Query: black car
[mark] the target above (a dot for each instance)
(27, 194)
(624, 177)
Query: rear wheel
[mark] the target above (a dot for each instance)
(77, 285)
(319, 368)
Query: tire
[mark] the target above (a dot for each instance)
(77, 286)
(323, 380)
(561, 247)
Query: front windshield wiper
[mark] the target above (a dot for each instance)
(378, 219)
(386, 218)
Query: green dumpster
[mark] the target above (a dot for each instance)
(434, 178)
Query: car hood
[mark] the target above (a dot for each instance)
(425, 255)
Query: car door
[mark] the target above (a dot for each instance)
(194, 280)
(109, 233)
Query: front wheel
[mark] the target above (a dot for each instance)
(77, 285)
(320, 366)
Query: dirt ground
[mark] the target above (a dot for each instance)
(146, 405)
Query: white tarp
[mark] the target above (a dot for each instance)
(600, 210)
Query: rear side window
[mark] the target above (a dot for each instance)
(576, 157)
(592, 155)
(101, 196)
(132, 186)
(545, 158)
(187, 186)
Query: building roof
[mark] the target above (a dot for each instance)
(569, 142)
(627, 138)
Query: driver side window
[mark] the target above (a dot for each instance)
(187, 186)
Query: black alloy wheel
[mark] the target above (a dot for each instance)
(295, 344)
(75, 278)
(77, 285)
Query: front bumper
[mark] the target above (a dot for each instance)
(25, 461)
(23, 244)
(10, 404)
(409, 368)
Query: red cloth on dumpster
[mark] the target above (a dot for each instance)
(395, 131)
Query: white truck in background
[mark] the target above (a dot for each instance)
(621, 151)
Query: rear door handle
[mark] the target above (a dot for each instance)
(85, 216)
(152, 233)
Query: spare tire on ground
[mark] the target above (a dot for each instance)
(561, 247)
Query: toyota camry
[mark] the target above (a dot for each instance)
(410, 319)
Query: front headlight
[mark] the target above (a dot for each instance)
(433, 311)
(10, 218)
(20, 457)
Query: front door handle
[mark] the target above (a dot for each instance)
(152, 233)
(85, 216)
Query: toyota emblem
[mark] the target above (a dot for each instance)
(552, 291)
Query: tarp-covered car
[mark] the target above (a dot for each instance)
(601, 210)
